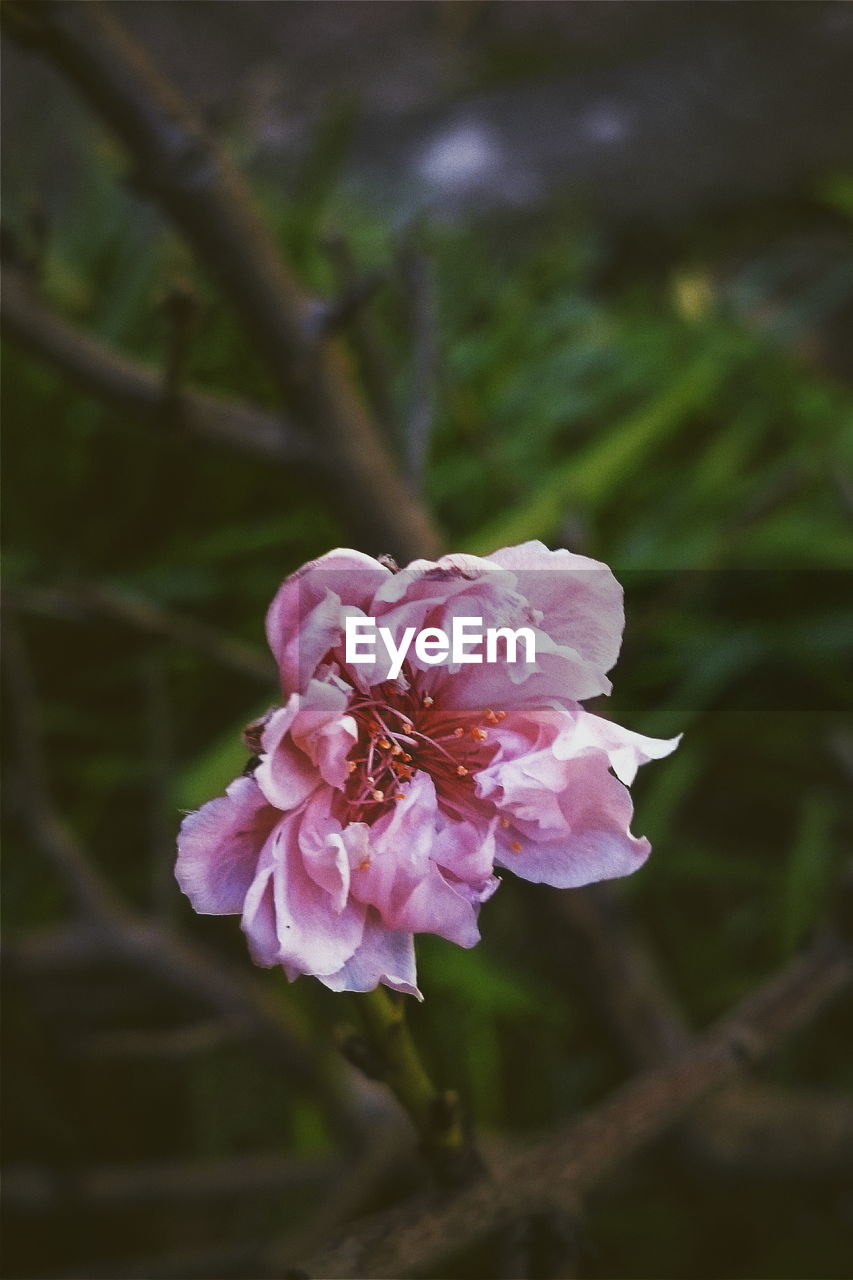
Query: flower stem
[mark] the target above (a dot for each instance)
(436, 1113)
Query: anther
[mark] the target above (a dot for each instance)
(383, 743)
(515, 846)
(504, 822)
(364, 864)
(427, 700)
(461, 771)
(457, 733)
(479, 735)
(351, 766)
(399, 795)
(380, 795)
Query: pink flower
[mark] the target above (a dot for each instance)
(380, 807)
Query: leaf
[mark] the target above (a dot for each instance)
(604, 465)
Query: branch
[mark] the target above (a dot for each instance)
(85, 600)
(32, 1189)
(406, 1240)
(111, 927)
(207, 199)
(28, 321)
(749, 1128)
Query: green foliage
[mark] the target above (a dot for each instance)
(649, 422)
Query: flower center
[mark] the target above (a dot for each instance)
(402, 733)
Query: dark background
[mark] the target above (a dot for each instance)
(592, 225)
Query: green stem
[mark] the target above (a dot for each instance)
(435, 1113)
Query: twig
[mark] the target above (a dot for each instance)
(115, 928)
(205, 196)
(201, 1037)
(746, 1129)
(180, 307)
(33, 1189)
(372, 356)
(406, 1240)
(27, 320)
(85, 600)
(419, 276)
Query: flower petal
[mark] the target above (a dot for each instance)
(385, 955)
(219, 847)
(304, 620)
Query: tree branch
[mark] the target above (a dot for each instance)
(111, 927)
(207, 199)
(406, 1240)
(28, 321)
(85, 600)
(745, 1128)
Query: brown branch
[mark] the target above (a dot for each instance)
(85, 600)
(34, 1189)
(372, 357)
(112, 927)
(207, 199)
(562, 1169)
(733, 1133)
(31, 323)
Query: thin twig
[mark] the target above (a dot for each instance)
(411, 1238)
(178, 165)
(746, 1128)
(372, 356)
(419, 276)
(112, 927)
(117, 379)
(85, 600)
(34, 1189)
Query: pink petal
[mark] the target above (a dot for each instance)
(313, 935)
(219, 847)
(304, 620)
(385, 955)
(595, 842)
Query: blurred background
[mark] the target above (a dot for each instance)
(606, 299)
